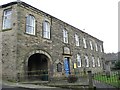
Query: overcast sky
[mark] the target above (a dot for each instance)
(98, 18)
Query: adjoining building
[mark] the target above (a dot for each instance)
(110, 60)
(36, 43)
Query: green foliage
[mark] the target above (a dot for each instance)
(112, 80)
(117, 65)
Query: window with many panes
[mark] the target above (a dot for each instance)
(98, 61)
(46, 29)
(91, 46)
(93, 61)
(96, 46)
(79, 64)
(77, 43)
(86, 61)
(7, 19)
(101, 48)
(84, 42)
(30, 25)
(65, 36)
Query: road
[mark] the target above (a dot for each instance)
(6, 87)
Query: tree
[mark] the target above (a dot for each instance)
(117, 65)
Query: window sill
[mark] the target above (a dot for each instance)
(67, 54)
(65, 42)
(6, 29)
(77, 46)
(47, 40)
(30, 34)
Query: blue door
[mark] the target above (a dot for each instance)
(66, 66)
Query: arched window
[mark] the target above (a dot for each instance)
(86, 61)
(96, 46)
(93, 61)
(101, 49)
(30, 25)
(59, 67)
(7, 19)
(98, 61)
(77, 40)
(84, 42)
(79, 64)
(46, 29)
(91, 45)
(65, 36)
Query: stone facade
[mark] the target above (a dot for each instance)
(18, 47)
(110, 60)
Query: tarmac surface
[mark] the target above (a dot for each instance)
(20, 86)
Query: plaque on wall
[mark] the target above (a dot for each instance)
(66, 50)
(59, 67)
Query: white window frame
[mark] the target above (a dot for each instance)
(96, 46)
(79, 60)
(85, 44)
(46, 30)
(30, 25)
(65, 36)
(93, 61)
(77, 43)
(101, 48)
(7, 19)
(98, 61)
(86, 61)
(91, 45)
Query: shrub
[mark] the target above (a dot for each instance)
(72, 78)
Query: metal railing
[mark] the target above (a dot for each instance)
(84, 78)
(111, 78)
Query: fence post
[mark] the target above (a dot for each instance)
(90, 80)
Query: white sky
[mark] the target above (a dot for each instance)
(99, 18)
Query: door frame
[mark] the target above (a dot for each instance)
(70, 67)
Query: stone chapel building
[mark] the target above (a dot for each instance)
(35, 43)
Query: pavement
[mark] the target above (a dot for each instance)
(24, 86)
(100, 86)
(31, 86)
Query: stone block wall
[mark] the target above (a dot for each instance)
(54, 46)
(17, 45)
(8, 45)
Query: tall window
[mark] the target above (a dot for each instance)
(84, 42)
(65, 36)
(79, 60)
(98, 61)
(46, 29)
(93, 61)
(96, 46)
(86, 61)
(30, 25)
(91, 46)
(101, 48)
(77, 40)
(7, 19)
